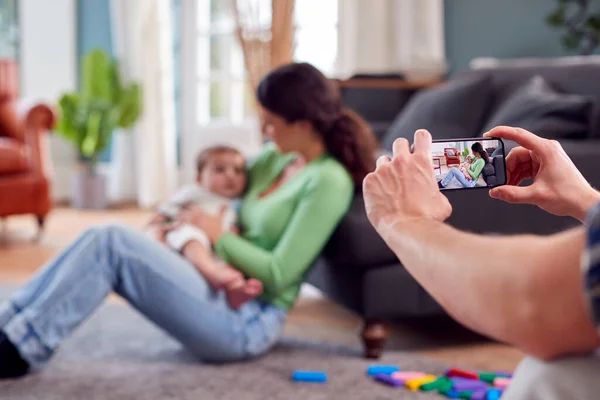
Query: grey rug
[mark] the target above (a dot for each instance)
(117, 354)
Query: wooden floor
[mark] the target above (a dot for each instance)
(314, 315)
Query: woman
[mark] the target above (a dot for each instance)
(468, 177)
(299, 189)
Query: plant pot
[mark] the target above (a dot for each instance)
(88, 190)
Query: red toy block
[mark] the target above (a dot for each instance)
(461, 373)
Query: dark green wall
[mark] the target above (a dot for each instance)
(499, 28)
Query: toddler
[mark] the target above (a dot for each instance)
(221, 178)
(465, 166)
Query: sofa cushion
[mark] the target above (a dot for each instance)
(539, 108)
(454, 110)
(13, 156)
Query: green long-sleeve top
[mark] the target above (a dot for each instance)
(284, 231)
(476, 167)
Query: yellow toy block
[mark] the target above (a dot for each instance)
(415, 384)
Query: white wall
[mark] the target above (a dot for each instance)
(48, 68)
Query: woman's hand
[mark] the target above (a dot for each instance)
(558, 186)
(212, 225)
(404, 187)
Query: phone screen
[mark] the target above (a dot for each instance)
(466, 164)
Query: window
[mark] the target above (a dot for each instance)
(316, 39)
(222, 92)
(9, 29)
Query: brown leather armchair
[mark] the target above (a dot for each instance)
(24, 158)
(452, 156)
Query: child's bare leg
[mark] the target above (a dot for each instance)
(240, 291)
(217, 276)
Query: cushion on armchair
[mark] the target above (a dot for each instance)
(454, 110)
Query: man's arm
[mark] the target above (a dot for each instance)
(525, 290)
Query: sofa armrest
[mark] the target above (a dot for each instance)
(36, 120)
(355, 243)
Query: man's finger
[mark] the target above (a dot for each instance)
(382, 160)
(521, 136)
(516, 156)
(400, 147)
(422, 142)
(513, 194)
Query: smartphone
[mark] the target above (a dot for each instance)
(469, 163)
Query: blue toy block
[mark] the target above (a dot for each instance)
(374, 370)
(309, 376)
(493, 394)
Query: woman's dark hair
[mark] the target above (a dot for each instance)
(477, 147)
(300, 92)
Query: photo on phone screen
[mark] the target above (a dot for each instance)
(469, 163)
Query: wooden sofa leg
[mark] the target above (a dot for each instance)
(41, 219)
(374, 335)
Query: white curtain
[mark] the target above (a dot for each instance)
(144, 164)
(392, 36)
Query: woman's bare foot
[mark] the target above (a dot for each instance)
(240, 291)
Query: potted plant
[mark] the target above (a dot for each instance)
(580, 23)
(465, 153)
(88, 119)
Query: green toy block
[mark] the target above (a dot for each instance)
(445, 386)
(466, 394)
(435, 385)
(488, 377)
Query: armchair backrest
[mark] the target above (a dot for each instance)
(10, 122)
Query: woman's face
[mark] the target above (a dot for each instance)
(476, 154)
(286, 136)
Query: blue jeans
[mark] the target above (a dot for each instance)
(159, 283)
(456, 173)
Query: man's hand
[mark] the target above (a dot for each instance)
(404, 187)
(558, 187)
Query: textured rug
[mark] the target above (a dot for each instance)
(117, 354)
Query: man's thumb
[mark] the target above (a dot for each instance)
(511, 194)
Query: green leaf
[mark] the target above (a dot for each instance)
(90, 143)
(66, 127)
(130, 107)
(115, 82)
(96, 74)
(572, 41)
(556, 18)
(593, 22)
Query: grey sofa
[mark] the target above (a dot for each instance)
(357, 269)
(493, 171)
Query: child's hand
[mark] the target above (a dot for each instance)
(159, 231)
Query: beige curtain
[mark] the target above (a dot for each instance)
(265, 31)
